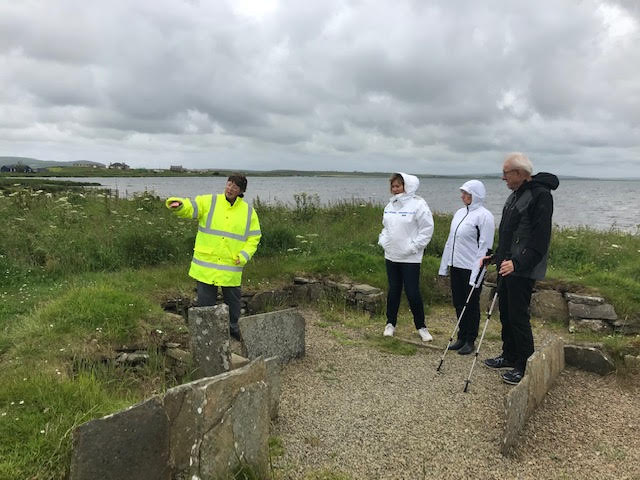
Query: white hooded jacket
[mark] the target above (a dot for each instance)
(407, 224)
(471, 234)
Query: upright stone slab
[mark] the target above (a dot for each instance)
(543, 367)
(209, 336)
(216, 422)
(279, 333)
(131, 444)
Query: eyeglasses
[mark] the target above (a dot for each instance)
(507, 172)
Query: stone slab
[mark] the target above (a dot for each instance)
(279, 333)
(131, 444)
(583, 299)
(549, 305)
(543, 367)
(197, 413)
(604, 311)
(588, 358)
(209, 338)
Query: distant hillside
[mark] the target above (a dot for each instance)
(35, 163)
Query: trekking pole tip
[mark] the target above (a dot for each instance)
(466, 385)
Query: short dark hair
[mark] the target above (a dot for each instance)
(240, 180)
(396, 176)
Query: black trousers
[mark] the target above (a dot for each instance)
(405, 275)
(232, 296)
(514, 295)
(460, 289)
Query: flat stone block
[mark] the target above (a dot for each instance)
(131, 444)
(588, 358)
(365, 289)
(604, 311)
(583, 299)
(279, 333)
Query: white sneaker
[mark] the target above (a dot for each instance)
(425, 335)
(388, 330)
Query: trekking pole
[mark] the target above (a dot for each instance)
(455, 329)
(484, 330)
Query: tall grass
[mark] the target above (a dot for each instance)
(82, 272)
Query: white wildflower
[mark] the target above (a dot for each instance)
(299, 236)
(613, 245)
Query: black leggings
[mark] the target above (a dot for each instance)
(407, 275)
(460, 289)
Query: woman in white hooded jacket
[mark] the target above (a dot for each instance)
(407, 229)
(470, 237)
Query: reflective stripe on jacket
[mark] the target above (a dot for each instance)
(226, 233)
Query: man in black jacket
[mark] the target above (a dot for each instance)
(521, 259)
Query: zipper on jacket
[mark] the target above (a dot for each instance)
(453, 247)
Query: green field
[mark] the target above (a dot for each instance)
(83, 272)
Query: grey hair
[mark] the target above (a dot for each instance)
(519, 161)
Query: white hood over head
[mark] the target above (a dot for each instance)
(411, 184)
(477, 191)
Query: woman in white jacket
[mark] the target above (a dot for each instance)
(407, 228)
(470, 237)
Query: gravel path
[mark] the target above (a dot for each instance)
(352, 411)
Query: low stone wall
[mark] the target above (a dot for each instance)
(308, 290)
(581, 313)
(200, 430)
(543, 367)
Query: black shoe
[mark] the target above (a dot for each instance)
(235, 333)
(512, 377)
(467, 348)
(457, 345)
(498, 362)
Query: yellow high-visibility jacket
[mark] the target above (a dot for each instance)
(226, 233)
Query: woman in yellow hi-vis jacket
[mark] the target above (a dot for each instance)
(228, 236)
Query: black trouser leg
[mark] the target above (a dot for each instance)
(207, 294)
(460, 288)
(394, 277)
(515, 295)
(411, 276)
(232, 297)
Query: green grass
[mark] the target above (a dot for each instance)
(83, 272)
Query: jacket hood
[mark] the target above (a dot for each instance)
(547, 180)
(477, 191)
(411, 183)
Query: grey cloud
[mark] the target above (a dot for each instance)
(443, 84)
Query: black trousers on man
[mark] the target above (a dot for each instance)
(514, 295)
(460, 288)
(407, 275)
(232, 296)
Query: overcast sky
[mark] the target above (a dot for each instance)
(421, 86)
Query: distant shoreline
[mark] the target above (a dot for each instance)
(138, 173)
